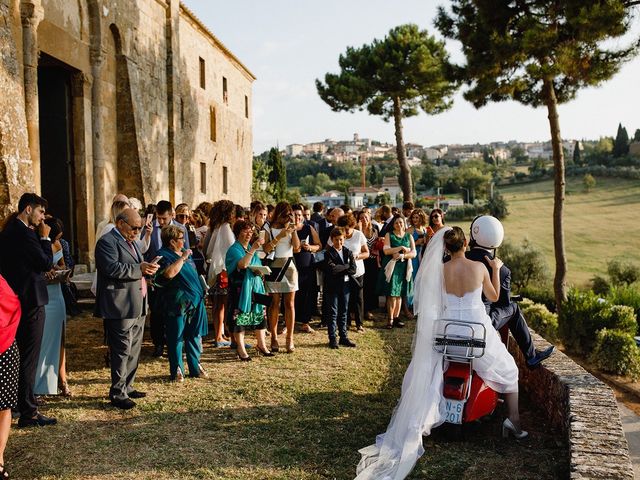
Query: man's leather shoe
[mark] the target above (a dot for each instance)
(124, 404)
(398, 324)
(137, 394)
(157, 351)
(345, 342)
(333, 344)
(38, 421)
(540, 355)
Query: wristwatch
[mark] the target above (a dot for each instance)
(45, 238)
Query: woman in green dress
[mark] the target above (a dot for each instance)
(246, 288)
(396, 279)
(180, 300)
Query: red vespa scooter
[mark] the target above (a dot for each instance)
(466, 396)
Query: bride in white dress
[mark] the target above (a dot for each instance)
(449, 290)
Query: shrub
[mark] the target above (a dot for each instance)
(618, 317)
(600, 285)
(540, 293)
(526, 262)
(498, 206)
(623, 272)
(540, 319)
(580, 320)
(616, 352)
(626, 295)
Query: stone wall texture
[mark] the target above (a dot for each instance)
(141, 120)
(584, 409)
(15, 162)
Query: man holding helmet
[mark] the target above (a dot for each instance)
(487, 234)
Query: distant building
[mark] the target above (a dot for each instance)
(294, 150)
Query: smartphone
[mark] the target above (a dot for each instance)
(149, 218)
(261, 235)
(156, 259)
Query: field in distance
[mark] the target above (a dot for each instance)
(599, 225)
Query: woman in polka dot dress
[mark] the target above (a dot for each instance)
(9, 360)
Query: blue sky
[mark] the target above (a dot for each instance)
(287, 44)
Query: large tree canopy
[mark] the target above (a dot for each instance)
(539, 53)
(395, 77)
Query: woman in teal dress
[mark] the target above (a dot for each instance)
(245, 289)
(51, 369)
(396, 277)
(180, 299)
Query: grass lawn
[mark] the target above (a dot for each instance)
(599, 226)
(300, 416)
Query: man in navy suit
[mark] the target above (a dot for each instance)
(25, 256)
(164, 217)
(507, 312)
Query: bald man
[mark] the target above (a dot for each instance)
(121, 301)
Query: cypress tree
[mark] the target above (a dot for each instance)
(621, 143)
(277, 175)
(577, 155)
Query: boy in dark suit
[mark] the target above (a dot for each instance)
(339, 266)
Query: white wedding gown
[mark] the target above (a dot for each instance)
(420, 408)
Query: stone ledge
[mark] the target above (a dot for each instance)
(583, 409)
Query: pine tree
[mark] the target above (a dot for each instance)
(621, 143)
(539, 53)
(277, 175)
(394, 78)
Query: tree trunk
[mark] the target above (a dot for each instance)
(405, 171)
(560, 279)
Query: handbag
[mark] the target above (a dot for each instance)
(278, 273)
(261, 299)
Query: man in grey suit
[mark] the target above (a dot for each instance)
(121, 301)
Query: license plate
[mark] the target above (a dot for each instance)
(453, 411)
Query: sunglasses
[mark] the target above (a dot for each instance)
(182, 215)
(134, 229)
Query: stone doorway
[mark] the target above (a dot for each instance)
(57, 170)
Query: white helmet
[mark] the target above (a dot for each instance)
(487, 232)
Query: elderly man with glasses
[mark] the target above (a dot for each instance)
(121, 300)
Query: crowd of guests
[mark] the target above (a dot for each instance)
(250, 267)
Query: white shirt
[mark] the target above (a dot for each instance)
(355, 245)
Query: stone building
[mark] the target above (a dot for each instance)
(106, 96)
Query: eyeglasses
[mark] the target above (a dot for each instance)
(134, 229)
(182, 215)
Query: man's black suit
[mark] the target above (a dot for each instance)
(504, 311)
(324, 231)
(24, 258)
(335, 291)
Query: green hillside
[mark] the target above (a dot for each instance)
(599, 226)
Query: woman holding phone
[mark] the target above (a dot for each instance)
(283, 240)
(181, 302)
(305, 299)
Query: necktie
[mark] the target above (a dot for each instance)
(135, 255)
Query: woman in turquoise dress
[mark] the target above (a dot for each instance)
(396, 274)
(245, 289)
(180, 299)
(51, 365)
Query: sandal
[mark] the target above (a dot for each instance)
(3, 472)
(64, 390)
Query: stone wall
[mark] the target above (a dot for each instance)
(584, 409)
(15, 161)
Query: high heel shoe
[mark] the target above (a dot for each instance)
(274, 346)
(290, 347)
(265, 352)
(244, 359)
(517, 433)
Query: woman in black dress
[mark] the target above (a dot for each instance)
(306, 295)
(372, 263)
